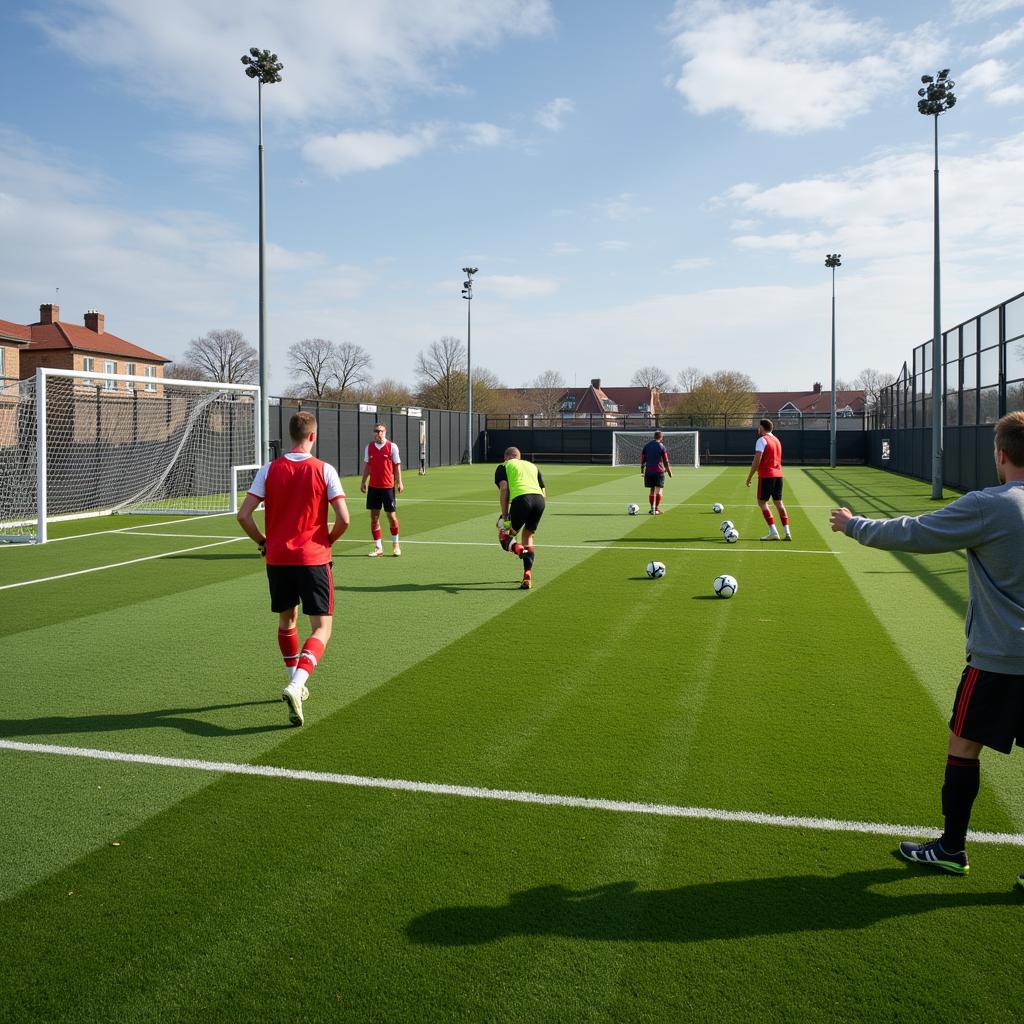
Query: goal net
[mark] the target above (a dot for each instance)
(682, 445)
(75, 444)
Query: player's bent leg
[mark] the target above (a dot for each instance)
(288, 639)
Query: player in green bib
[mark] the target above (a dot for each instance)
(521, 493)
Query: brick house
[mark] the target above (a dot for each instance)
(567, 404)
(13, 340)
(90, 348)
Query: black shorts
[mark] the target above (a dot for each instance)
(654, 479)
(769, 488)
(312, 585)
(381, 498)
(526, 510)
(989, 709)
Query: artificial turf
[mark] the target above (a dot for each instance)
(821, 689)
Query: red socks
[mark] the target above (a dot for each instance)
(375, 531)
(657, 501)
(768, 517)
(288, 641)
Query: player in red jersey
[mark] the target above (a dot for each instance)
(767, 465)
(296, 490)
(382, 466)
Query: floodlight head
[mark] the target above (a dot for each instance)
(833, 260)
(927, 79)
(262, 64)
(937, 96)
(469, 270)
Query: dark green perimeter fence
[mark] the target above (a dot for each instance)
(345, 430)
(722, 440)
(983, 379)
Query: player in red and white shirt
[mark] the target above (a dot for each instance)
(767, 465)
(382, 466)
(296, 490)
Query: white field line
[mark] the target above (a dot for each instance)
(120, 529)
(750, 506)
(779, 545)
(508, 795)
(183, 536)
(118, 565)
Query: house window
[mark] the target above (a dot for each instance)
(88, 365)
(129, 368)
(568, 403)
(109, 366)
(609, 405)
(151, 384)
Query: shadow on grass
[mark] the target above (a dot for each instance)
(167, 718)
(413, 588)
(622, 912)
(917, 564)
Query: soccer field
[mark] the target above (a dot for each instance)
(609, 798)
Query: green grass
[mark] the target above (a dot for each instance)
(820, 690)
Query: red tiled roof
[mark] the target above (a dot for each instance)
(15, 332)
(61, 335)
(815, 403)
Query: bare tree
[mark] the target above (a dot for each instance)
(441, 374)
(547, 379)
(182, 371)
(872, 383)
(351, 365)
(653, 377)
(688, 378)
(546, 393)
(725, 393)
(311, 364)
(486, 384)
(391, 392)
(225, 356)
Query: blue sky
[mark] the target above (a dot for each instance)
(639, 183)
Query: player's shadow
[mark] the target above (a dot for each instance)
(413, 588)
(167, 718)
(622, 912)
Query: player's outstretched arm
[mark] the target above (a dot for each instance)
(341, 519)
(753, 467)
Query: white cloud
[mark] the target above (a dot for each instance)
(975, 10)
(483, 133)
(693, 263)
(613, 245)
(516, 286)
(622, 207)
(993, 78)
(787, 66)
(565, 249)
(349, 152)
(552, 115)
(338, 55)
(1002, 42)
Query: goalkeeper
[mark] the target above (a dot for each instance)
(522, 496)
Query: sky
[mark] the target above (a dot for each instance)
(642, 183)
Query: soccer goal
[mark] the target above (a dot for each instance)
(683, 446)
(76, 444)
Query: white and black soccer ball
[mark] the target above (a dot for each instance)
(726, 586)
(727, 524)
(718, 507)
(655, 570)
(633, 510)
(731, 535)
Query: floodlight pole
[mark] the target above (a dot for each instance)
(265, 68)
(936, 98)
(467, 294)
(832, 261)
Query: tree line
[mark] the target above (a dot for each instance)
(325, 370)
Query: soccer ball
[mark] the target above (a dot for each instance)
(655, 570)
(727, 525)
(731, 535)
(726, 586)
(633, 510)
(718, 507)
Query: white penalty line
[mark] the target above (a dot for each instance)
(507, 795)
(118, 565)
(541, 546)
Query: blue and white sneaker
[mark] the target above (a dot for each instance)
(935, 856)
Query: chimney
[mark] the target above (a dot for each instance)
(94, 321)
(817, 387)
(595, 382)
(49, 313)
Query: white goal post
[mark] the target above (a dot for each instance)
(683, 446)
(75, 444)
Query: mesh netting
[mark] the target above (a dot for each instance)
(682, 445)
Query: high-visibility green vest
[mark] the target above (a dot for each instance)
(522, 478)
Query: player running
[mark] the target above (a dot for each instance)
(654, 465)
(296, 490)
(522, 495)
(382, 465)
(767, 465)
(988, 710)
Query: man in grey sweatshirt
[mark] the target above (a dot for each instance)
(988, 710)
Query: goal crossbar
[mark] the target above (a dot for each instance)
(683, 446)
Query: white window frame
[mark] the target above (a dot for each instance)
(88, 366)
(129, 369)
(3, 361)
(150, 371)
(109, 366)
